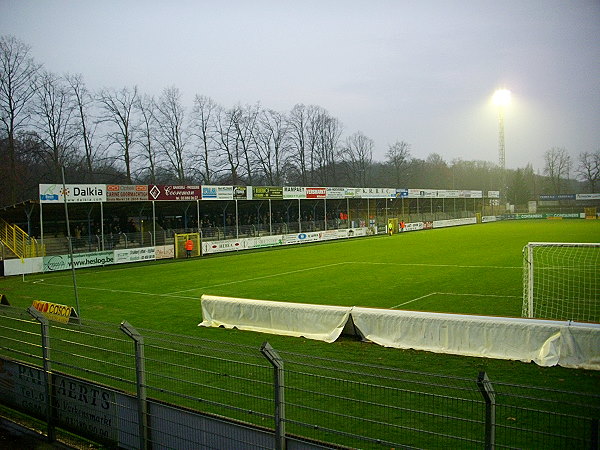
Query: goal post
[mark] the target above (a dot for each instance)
(180, 240)
(561, 281)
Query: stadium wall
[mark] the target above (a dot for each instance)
(545, 342)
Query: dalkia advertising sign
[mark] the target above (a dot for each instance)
(55, 193)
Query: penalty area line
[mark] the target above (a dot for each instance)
(273, 275)
(115, 291)
(414, 300)
(454, 294)
(459, 266)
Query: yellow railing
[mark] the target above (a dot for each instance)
(19, 242)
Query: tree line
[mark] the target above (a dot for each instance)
(124, 136)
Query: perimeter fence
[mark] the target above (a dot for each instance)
(138, 388)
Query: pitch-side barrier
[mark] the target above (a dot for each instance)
(545, 342)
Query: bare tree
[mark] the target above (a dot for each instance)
(324, 133)
(226, 139)
(18, 74)
(298, 136)
(589, 168)
(357, 154)
(146, 107)
(398, 157)
(172, 135)
(202, 118)
(55, 122)
(331, 131)
(557, 167)
(118, 110)
(438, 171)
(245, 125)
(83, 103)
(271, 146)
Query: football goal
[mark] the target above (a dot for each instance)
(181, 239)
(561, 281)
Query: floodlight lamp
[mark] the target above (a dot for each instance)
(501, 97)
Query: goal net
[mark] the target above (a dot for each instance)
(561, 281)
(181, 239)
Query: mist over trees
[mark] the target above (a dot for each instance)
(124, 136)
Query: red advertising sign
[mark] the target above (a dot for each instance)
(316, 192)
(174, 193)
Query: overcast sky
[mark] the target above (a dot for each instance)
(421, 71)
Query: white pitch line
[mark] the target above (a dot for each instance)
(433, 265)
(454, 293)
(414, 300)
(480, 295)
(116, 291)
(259, 278)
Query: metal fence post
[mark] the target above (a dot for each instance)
(48, 390)
(279, 387)
(140, 374)
(489, 395)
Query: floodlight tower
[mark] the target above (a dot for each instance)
(501, 99)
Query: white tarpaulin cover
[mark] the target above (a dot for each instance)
(319, 322)
(545, 342)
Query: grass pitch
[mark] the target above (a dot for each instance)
(468, 269)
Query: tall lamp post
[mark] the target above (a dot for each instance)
(501, 100)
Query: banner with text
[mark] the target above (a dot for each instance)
(162, 192)
(85, 193)
(54, 311)
(126, 193)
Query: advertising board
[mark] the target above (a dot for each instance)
(54, 311)
(429, 193)
(414, 226)
(454, 222)
(352, 192)
(294, 192)
(316, 192)
(85, 407)
(267, 192)
(217, 192)
(80, 260)
(229, 245)
(55, 193)
(126, 193)
(128, 255)
(335, 193)
(242, 193)
(587, 197)
(164, 252)
(448, 193)
(161, 192)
